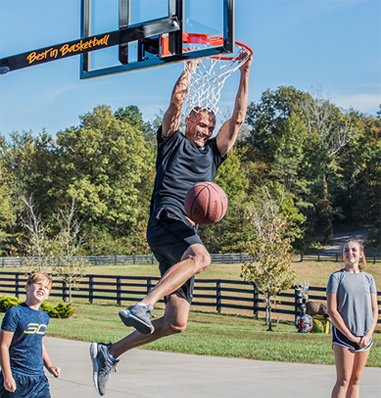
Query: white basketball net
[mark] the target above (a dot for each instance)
(206, 77)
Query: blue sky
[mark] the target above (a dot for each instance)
(334, 45)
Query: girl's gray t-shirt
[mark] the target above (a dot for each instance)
(354, 299)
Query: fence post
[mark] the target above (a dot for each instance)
(297, 301)
(119, 290)
(91, 289)
(64, 291)
(256, 303)
(374, 259)
(240, 257)
(3, 262)
(218, 297)
(133, 259)
(149, 284)
(153, 261)
(17, 288)
(337, 257)
(116, 260)
(301, 257)
(318, 256)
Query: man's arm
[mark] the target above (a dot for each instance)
(54, 370)
(5, 342)
(172, 117)
(228, 133)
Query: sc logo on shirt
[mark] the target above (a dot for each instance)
(36, 328)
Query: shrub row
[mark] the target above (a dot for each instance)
(61, 310)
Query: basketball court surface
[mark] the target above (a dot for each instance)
(147, 374)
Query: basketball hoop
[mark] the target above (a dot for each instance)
(207, 76)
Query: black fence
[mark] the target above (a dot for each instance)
(323, 256)
(224, 258)
(217, 294)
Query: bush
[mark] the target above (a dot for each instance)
(61, 310)
(8, 302)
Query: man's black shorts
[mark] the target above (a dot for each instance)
(169, 235)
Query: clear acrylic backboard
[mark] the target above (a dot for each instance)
(152, 32)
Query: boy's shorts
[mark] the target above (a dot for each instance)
(26, 387)
(340, 339)
(169, 234)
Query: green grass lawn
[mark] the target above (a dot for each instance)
(210, 333)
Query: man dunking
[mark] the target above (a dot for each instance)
(182, 161)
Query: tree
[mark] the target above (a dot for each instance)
(36, 241)
(334, 128)
(275, 149)
(231, 233)
(270, 273)
(297, 139)
(29, 168)
(7, 214)
(69, 240)
(330, 130)
(359, 193)
(134, 118)
(295, 219)
(105, 166)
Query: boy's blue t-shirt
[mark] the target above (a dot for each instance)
(29, 327)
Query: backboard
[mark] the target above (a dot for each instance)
(152, 32)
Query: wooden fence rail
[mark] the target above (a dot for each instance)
(322, 256)
(224, 258)
(219, 258)
(217, 293)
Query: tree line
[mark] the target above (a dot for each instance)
(322, 161)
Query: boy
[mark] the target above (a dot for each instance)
(22, 349)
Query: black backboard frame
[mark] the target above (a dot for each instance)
(149, 34)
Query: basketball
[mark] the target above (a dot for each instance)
(206, 203)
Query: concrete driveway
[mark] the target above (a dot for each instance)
(147, 374)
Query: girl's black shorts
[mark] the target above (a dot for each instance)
(340, 339)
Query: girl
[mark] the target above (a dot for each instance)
(353, 309)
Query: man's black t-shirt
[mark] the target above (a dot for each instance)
(180, 165)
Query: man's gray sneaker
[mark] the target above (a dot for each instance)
(102, 365)
(138, 316)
